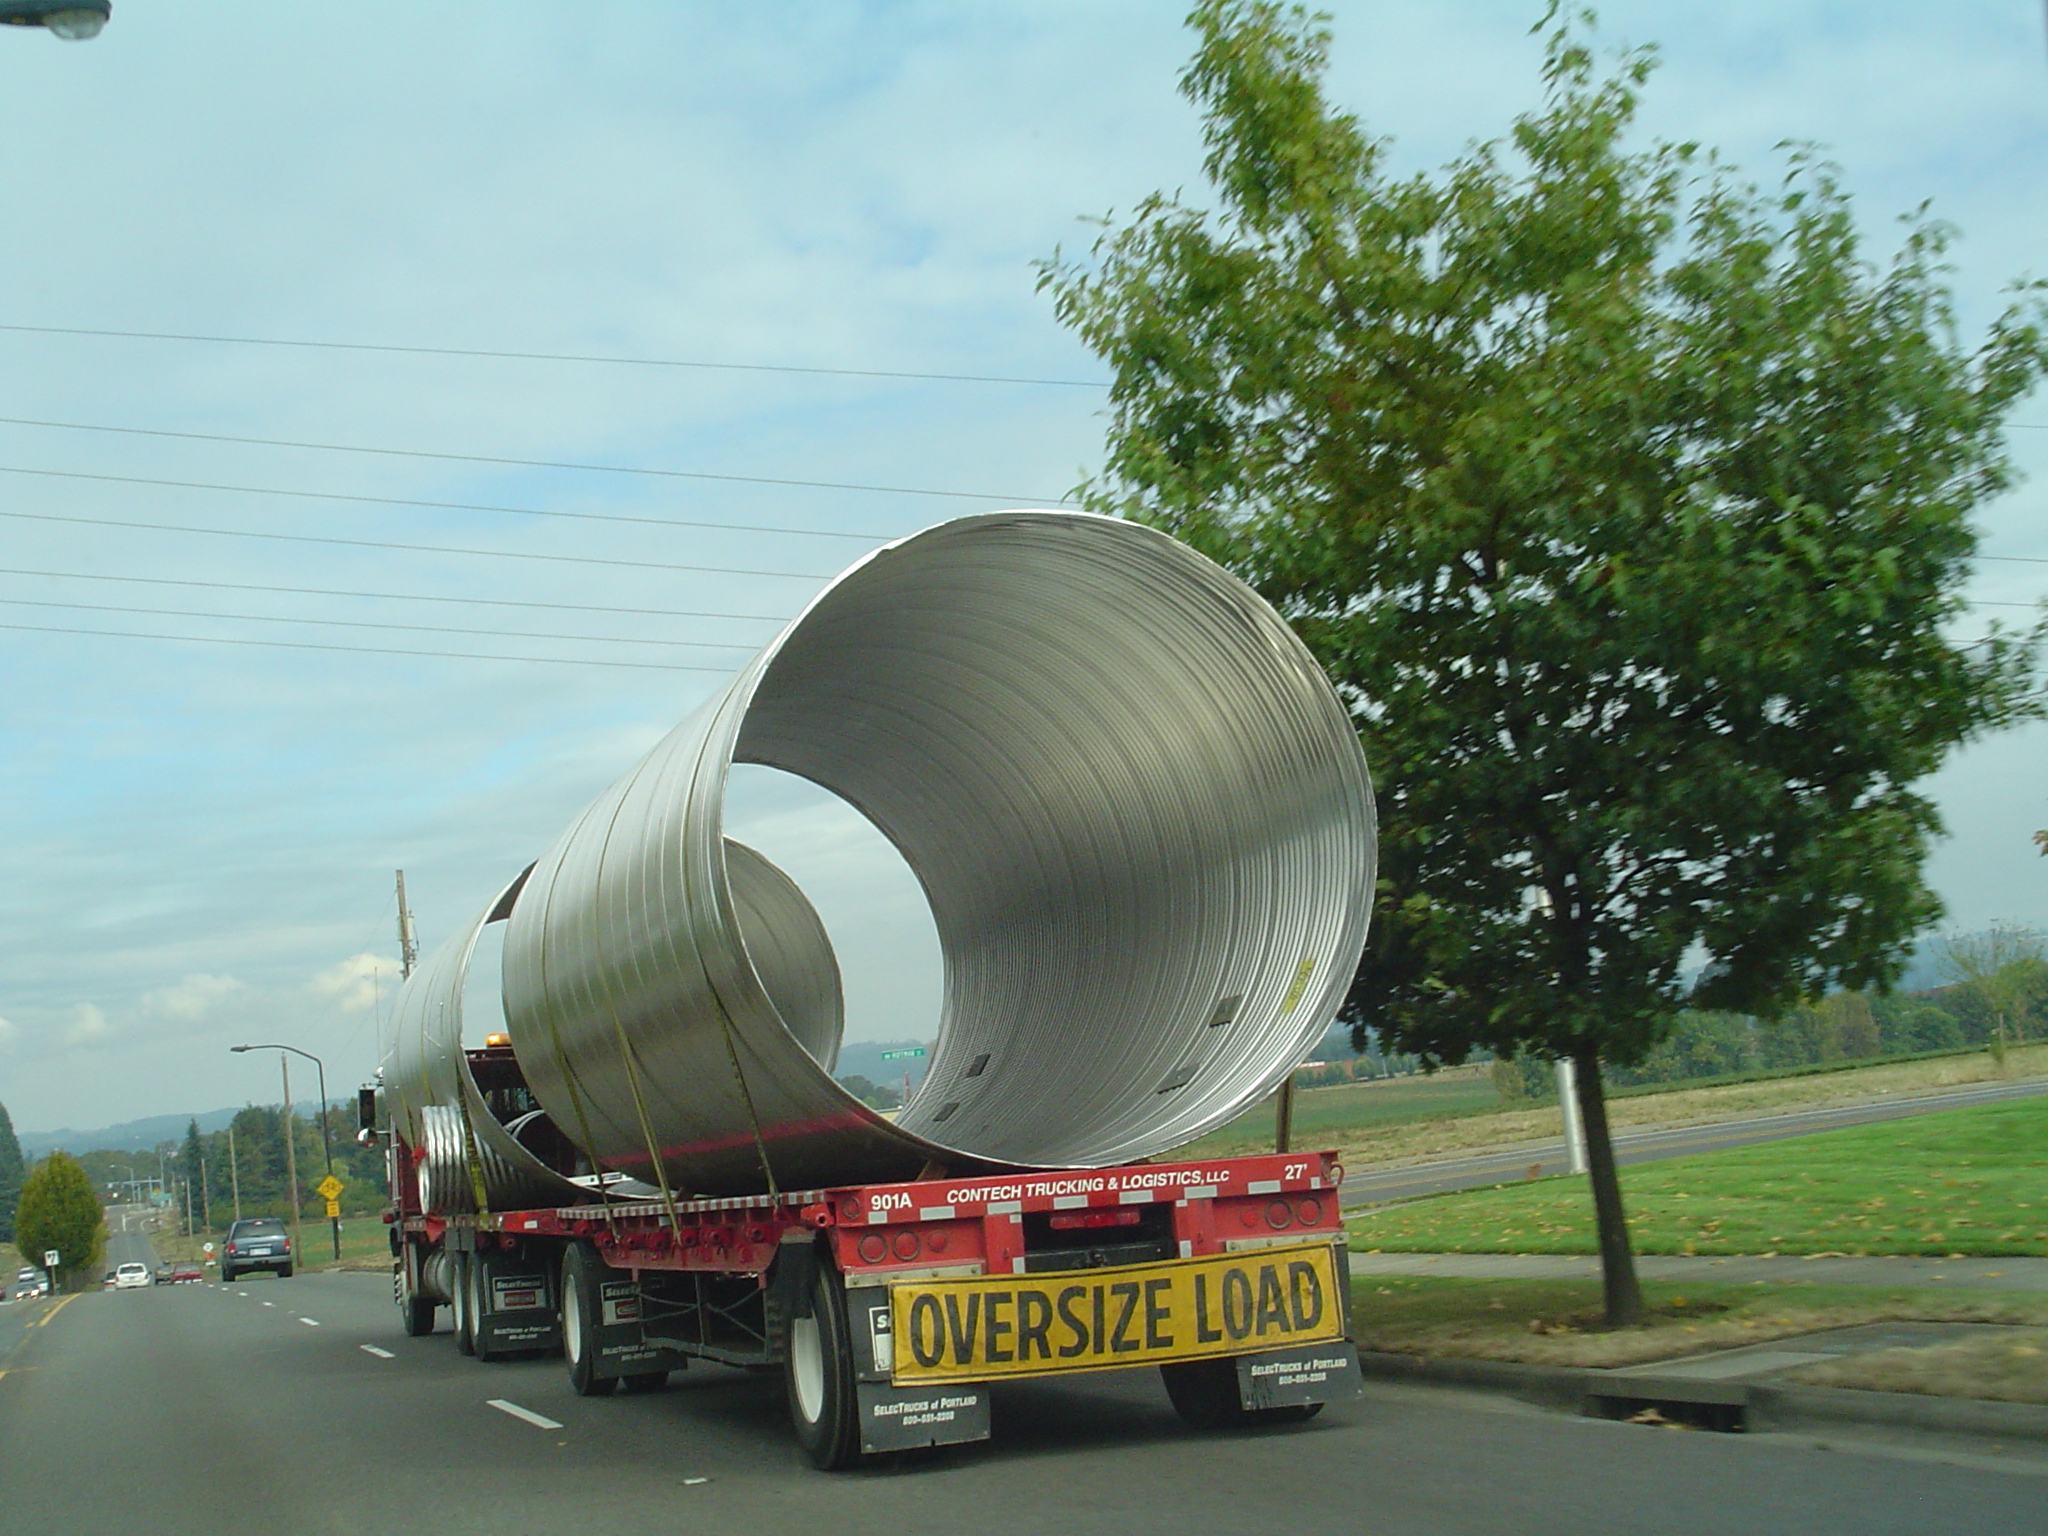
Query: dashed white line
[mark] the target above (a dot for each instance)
(270, 1303)
(691, 1482)
(310, 1322)
(381, 1354)
(538, 1421)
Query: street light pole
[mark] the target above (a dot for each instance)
(326, 1139)
(75, 20)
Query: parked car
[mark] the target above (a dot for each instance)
(257, 1242)
(107, 1281)
(187, 1274)
(133, 1277)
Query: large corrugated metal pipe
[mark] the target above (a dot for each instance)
(1134, 803)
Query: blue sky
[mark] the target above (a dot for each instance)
(200, 837)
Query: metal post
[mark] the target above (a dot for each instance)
(1283, 1116)
(291, 1158)
(1574, 1126)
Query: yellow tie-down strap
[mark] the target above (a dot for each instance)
(992, 1326)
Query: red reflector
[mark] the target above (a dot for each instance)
(1121, 1216)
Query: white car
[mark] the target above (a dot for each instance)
(132, 1276)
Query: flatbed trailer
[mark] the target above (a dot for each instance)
(891, 1309)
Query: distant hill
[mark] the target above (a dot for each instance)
(130, 1135)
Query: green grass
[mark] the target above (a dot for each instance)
(363, 1239)
(1558, 1322)
(1966, 1181)
(1322, 1115)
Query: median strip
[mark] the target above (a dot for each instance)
(538, 1421)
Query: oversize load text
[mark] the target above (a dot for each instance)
(1081, 1320)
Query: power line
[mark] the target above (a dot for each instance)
(447, 506)
(555, 357)
(480, 458)
(2019, 559)
(433, 629)
(361, 650)
(398, 597)
(418, 549)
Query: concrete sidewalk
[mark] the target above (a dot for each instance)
(2024, 1274)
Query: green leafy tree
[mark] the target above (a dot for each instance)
(2005, 967)
(1626, 504)
(11, 1170)
(59, 1210)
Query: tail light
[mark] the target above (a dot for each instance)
(1119, 1216)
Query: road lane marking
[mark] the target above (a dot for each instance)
(44, 1320)
(691, 1482)
(270, 1303)
(538, 1421)
(381, 1354)
(310, 1322)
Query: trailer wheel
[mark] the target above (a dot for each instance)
(818, 1372)
(581, 1268)
(465, 1323)
(1205, 1395)
(416, 1310)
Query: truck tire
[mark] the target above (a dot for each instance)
(1205, 1395)
(582, 1271)
(817, 1369)
(465, 1325)
(417, 1311)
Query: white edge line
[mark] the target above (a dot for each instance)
(538, 1421)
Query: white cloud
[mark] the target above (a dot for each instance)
(192, 998)
(88, 1025)
(356, 984)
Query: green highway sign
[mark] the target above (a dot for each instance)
(915, 1050)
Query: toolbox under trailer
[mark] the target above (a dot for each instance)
(891, 1309)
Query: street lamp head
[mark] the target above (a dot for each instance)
(74, 20)
(241, 1048)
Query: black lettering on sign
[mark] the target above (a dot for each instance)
(1237, 1303)
(1305, 1291)
(1078, 1345)
(1204, 1334)
(926, 1323)
(1157, 1313)
(1097, 1342)
(998, 1331)
(1119, 1340)
(1034, 1317)
(963, 1337)
(1272, 1300)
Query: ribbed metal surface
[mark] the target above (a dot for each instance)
(1137, 809)
(434, 1096)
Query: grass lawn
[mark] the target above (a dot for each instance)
(1329, 1116)
(364, 1240)
(1546, 1322)
(1405, 1119)
(1966, 1181)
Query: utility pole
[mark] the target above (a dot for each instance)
(408, 946)
(205, 1197)
(291, 1158)
(234, 1171)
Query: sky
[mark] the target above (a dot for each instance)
(198, 836)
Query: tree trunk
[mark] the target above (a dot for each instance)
(1624, 1296)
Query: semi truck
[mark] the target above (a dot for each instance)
(1144, 829)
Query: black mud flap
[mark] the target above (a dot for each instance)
(618, 1344)
(904, 1418)
(1305, 1373)
(517, 1313)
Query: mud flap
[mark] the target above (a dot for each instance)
(1305, 1373)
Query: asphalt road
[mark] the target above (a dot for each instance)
(1381, 1186)
(298, 1405)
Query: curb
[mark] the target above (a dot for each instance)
(1709, 1404)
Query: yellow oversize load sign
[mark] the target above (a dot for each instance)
(1090, 1319)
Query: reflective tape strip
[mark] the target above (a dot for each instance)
(1263, 1187)
(936, 1213)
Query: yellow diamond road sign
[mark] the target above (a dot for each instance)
(329, 1188)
